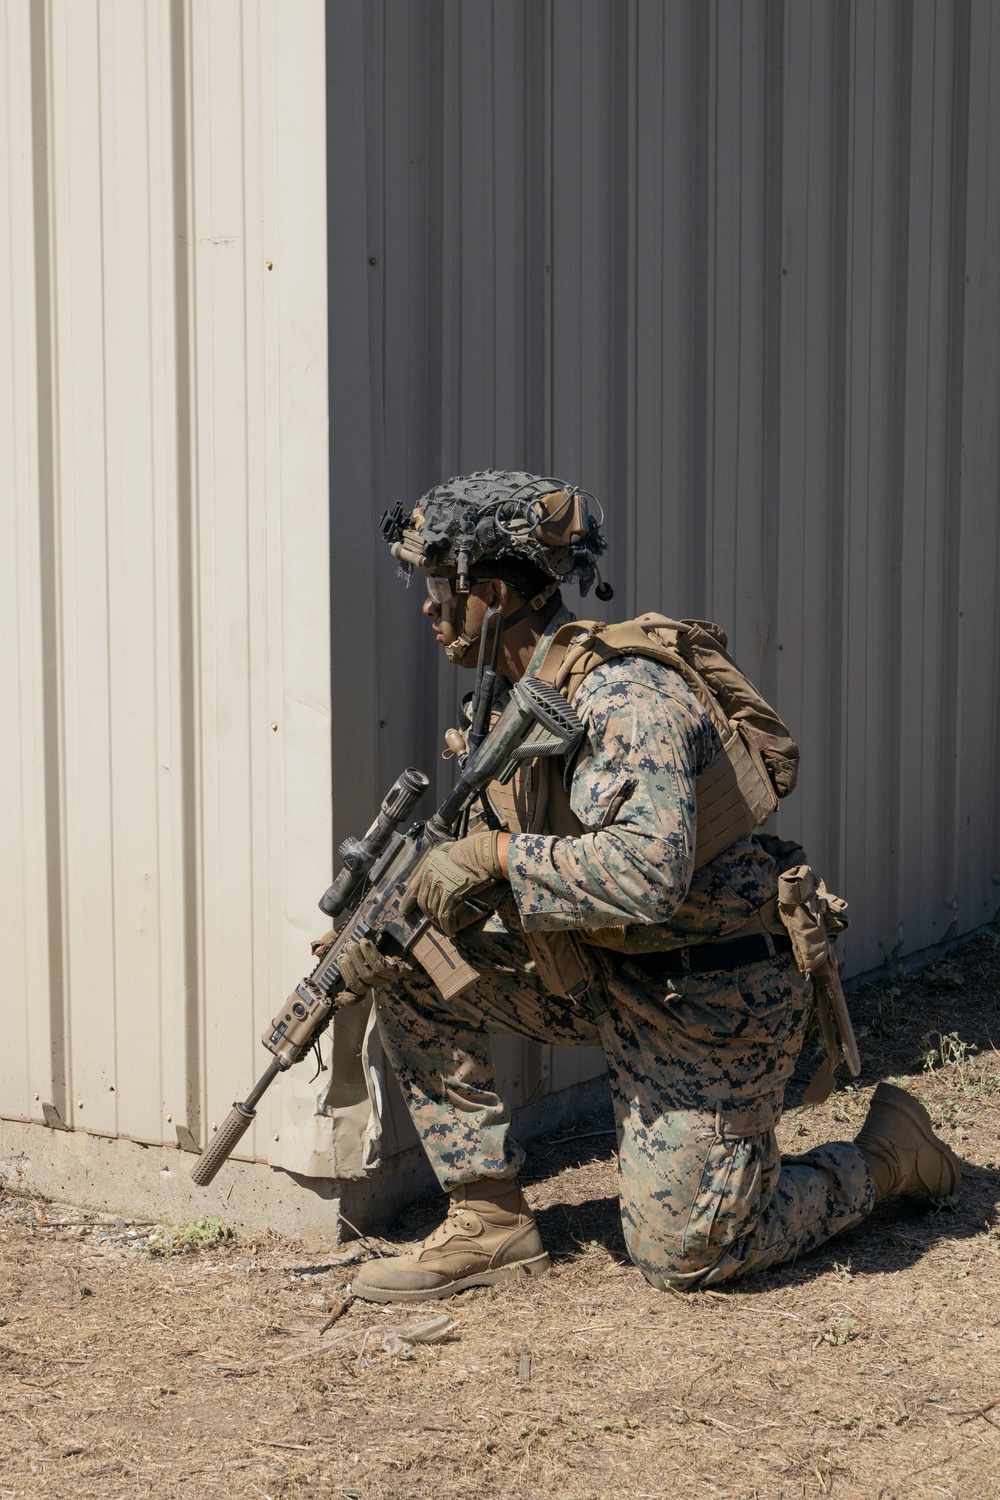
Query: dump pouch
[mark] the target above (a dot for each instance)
(562, 963)
(811, 915)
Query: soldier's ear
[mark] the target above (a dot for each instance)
(499, 593)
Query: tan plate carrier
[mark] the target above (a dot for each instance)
(756, 764)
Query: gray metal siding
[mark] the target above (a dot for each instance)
(733, 265)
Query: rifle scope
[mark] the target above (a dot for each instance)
(360, 854)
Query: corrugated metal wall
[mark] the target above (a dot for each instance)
(734, 265)
(165, 789)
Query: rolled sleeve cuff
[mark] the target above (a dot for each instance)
(544, 899)
(597, 880)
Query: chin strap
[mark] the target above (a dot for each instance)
(459, 647)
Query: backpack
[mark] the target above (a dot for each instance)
(758, 760)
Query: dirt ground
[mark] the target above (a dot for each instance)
(869, 1369)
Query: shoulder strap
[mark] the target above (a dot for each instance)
(580, 646)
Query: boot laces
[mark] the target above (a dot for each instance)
(458, 1220)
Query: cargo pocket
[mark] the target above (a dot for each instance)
(728, 1201)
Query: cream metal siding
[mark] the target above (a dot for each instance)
(735, 266)
(166, 780)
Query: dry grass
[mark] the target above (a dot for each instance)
(869, 1369)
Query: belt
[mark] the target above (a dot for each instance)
(700, 958)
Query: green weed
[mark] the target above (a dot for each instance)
(954, 1063)
(944, 974)
(184, 1239)
(848, 1106)
(844, 1332)
(945, 1051)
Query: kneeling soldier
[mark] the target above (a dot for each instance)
(640, 913)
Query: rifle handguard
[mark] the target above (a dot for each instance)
(233, 1128)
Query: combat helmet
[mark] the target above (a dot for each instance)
(463, 526)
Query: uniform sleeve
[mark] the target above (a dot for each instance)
(633, 792)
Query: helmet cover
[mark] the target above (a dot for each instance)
(476, 518)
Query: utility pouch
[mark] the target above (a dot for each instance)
(811, 915)
(564, 966)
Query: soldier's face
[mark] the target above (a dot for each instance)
(451, 615)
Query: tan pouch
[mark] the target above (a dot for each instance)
(811, 915)
(563, 964)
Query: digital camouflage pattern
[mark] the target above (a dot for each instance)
(647, 732)
(698, 1067)
(698, 1070)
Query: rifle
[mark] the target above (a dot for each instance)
(369, 896)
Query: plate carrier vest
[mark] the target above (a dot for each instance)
(755, 765)
(757, 761)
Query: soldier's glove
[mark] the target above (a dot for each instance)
(362, 967)
(321, 946)
(452, 873)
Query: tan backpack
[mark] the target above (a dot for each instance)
(758, 761)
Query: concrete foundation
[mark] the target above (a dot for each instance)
(153, 1182)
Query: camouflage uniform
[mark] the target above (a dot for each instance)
(698, 1064)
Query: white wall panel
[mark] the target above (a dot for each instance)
(31, 1004)
(169, 584)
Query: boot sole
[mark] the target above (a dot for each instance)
(539, 1265)
(915, 1111)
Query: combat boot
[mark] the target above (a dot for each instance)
(489, 1235)
(905, 1157)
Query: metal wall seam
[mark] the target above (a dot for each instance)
(81, 547)
(24, 875)
(298, 547)
(926, 702)
(976, 476)
(872, 371)
(183, 1020)
(805, 629)
(56, 1067)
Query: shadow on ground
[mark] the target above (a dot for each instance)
(933, 1030)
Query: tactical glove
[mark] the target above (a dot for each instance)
(362, 967)
(452, 873)
(321, 946)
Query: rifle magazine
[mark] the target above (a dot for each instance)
(443, 963)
